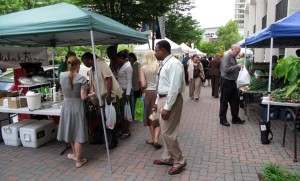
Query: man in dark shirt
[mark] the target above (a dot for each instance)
(205, 64)
(185, 62)
(229, 92)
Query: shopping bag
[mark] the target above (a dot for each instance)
(243, 78)
(110, 114)
(139, 109)
(127, 112)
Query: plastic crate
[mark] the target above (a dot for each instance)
(263, 110)
(284, 116)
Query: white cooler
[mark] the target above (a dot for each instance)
(11, 132)
(38, 133)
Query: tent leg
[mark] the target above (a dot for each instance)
(100, 100)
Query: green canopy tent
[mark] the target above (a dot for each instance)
(65, 25)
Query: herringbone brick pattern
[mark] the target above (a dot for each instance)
(213, 152)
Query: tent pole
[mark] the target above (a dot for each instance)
(270, 79)
(100, 99)
(245, 56)
(53, 72)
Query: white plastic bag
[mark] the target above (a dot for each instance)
(127, 112)
(110, 114)
(243, 78)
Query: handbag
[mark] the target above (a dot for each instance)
(265, 131)
(127, 112)
(154, 118)
(243, 78)
(139, 109)
(110, 115)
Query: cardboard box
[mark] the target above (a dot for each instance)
(9, 94)
(38, 133)
(16, 102)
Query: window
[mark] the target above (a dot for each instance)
(264, 22)
(254, 28)
(281, 10)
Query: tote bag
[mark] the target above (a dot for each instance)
(139, 109)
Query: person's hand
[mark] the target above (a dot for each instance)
(127, 97)
(154, 107)
(108, 99)
(92, 94)
(165, 114)
(191, 79)
(240, 65)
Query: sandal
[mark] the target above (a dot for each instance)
(157, 145)
(80, 164)
(125, 135)
(149, 142)
(71, 156)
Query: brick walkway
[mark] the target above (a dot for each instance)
(213, 152)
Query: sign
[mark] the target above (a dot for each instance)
(210, 35)
(11, 57)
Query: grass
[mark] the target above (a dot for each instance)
(275, 172)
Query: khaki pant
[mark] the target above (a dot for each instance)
(169, 128)
(195, 88)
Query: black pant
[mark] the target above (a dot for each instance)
(229, 93)
(186, 74)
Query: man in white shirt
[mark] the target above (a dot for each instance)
(171, 83)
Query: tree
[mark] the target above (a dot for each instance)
(183, 29)
(228, 34)
(209, 48)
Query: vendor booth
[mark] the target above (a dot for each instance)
(63, 25)
(284, 33)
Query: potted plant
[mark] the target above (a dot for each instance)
(289, 69)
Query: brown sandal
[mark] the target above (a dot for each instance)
(149, 142)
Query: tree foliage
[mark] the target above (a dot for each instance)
(228, 34)
(209, 48)
(183, 29)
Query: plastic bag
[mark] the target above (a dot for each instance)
(127, 112)
(110, 114)
(139, 109)
(243, 78)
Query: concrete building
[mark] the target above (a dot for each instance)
(262, 13)
(239, 8)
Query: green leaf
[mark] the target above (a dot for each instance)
(292, 74)
(290, 89)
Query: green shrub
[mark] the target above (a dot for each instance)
(275, 172)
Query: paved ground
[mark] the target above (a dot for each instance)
(213, 152)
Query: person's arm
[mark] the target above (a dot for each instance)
(128, 81)
(175, 76)
(228, 66)
(143, 79)
(108, 91)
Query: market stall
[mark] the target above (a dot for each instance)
(65, 25)
(284, 33)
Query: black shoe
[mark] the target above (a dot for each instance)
(238, 121)
(224, 123)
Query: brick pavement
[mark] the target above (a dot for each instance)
(213, 152)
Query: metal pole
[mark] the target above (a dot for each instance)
(270, 79)
(100, 99)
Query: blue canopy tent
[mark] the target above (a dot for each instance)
(64, 24)
(284, 33)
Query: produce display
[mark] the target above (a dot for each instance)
(279, 95)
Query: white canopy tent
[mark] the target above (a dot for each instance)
(175, 48)
(191, 51)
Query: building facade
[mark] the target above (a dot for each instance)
(261, 13)
(239, 8)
